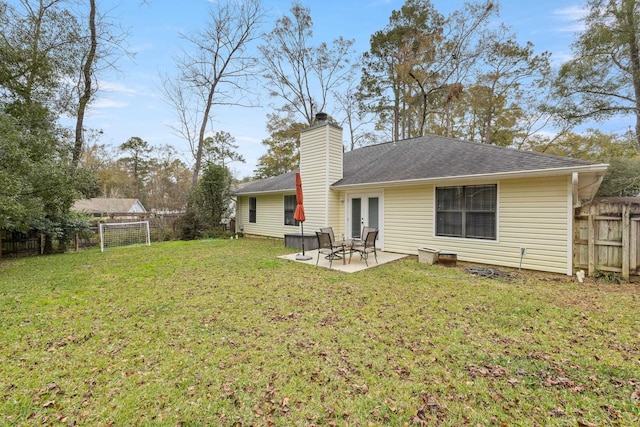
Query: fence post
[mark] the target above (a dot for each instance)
(592, 240)
(633, 245)
(626, 253)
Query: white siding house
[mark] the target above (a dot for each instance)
(487, 204)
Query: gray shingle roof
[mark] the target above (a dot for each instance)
(427, 157)
(430, 157)
(285, 182)
(107, 205)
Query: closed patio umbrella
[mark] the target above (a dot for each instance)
(299, 216)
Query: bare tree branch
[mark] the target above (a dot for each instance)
(214, 72)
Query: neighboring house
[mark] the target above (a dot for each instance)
(488, 204)
(107, 206)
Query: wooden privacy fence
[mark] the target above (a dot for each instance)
(607, 237)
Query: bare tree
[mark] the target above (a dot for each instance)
(301, 74)
(357, 121)
(214, 72)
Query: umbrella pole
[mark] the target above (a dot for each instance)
(302, 257)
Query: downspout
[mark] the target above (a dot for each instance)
(574, 184)
(574, 202)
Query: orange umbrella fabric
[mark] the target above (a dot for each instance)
(298, 215)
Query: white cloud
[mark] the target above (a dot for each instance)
(571, 18)
(109, 103)
(107, 86)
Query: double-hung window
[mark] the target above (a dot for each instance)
(467, 211)
(290, 204)
(252, 209)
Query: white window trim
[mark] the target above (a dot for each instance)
(465, 239)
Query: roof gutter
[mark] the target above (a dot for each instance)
(600, 168)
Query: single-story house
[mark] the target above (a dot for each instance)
(487, 204)
(100, 206)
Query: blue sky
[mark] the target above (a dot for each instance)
(129, 102)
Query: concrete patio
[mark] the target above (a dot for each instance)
(356, 264)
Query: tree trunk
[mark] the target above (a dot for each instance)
(396, 122)
(487, 131)
(635, 62)
(203, 129)
(85, 97)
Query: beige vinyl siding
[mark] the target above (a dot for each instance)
(408, 222)
(336, 155)
(269, 216)
(320, 166)
(312, 172)
(532, 214)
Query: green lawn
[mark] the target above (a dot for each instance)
(222, 332)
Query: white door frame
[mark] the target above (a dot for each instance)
(364, 196)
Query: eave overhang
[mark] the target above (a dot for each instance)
(595, 169)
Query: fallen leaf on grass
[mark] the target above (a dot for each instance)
(191, 391)
(487, 370)
(431, 408)
(402, 371)
(360, 389)
(613, 412)
(554, 381)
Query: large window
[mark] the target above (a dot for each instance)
(290, 203)
(467, 211)
(252, 209)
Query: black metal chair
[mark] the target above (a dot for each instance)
(368, 246)
(328, 248)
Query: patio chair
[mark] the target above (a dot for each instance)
(367, 247)
(363, 235)
(327, 248)
(330, 231)
(337, 244)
